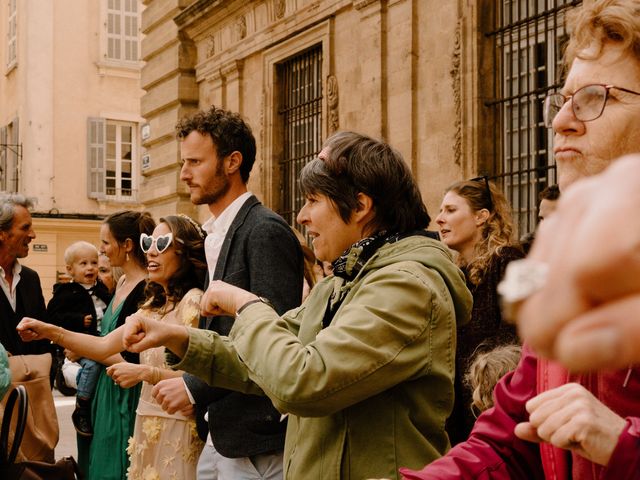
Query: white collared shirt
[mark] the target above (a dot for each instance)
(217, 228)
(98, 304)
(10, 290)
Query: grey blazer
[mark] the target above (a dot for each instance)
(260, 254)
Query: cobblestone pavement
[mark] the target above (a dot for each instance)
(64, 408)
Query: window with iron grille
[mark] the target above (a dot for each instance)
(529, 36)
(301, 115)
(122, 30)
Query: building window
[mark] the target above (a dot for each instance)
(112, 146)
(529, 38)
(122, 30)
(12, 34)
(10, 157)
(301, 115)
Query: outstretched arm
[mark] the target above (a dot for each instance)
(141, 333)
(96, 348)
(586, 313)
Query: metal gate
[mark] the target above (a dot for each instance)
(529, 36)
(301, 115)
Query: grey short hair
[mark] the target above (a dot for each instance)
(8, 202)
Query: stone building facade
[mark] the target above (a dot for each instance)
(69, 117)
(455, 85)
(87, 123)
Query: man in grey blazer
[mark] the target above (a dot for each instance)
(250, 246)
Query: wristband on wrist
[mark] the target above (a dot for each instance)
(251, 302)
(58, 338)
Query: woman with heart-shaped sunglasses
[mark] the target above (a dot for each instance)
(162, 445)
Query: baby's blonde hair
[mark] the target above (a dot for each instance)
(486, 369)
(72, 251)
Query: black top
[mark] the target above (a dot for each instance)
(29, 303)
(485, 327)
(71, 302)
(260, 254)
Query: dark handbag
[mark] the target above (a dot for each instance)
(64, 469)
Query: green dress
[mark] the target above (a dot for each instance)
(113, 414)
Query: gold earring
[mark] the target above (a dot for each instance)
(126, 256)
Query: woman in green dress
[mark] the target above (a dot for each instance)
(104, 456)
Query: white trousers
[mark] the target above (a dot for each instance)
(213, 466)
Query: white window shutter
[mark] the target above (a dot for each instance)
(96, 153)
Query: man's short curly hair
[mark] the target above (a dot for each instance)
(229, 132)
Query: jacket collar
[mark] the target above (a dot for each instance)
(251, 202)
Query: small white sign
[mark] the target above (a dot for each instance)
(146, 161)
(145, 131)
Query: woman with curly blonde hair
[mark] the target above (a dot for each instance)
(475, 221)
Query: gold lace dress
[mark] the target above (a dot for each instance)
(165, 446)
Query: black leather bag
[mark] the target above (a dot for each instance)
(64, 469)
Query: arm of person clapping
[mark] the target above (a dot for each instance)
(586, 315)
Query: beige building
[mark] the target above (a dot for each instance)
(70, 117)
(87, 116)
(457, 86)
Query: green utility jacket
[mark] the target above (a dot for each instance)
(369, 393)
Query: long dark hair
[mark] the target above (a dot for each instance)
(188, 241)
(129, 224)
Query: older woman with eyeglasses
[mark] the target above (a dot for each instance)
(475, 221)
(163, 446)
(549, 422)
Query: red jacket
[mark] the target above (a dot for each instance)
(494, 452)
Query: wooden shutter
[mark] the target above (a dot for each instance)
(14, 178)
(3, 158)
(96, 152)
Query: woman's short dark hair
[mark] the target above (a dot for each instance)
(359, 164)
(130, 224)
(228, 131)
(188, 241)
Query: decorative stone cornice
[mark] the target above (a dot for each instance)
(232, 68)
(360, 4)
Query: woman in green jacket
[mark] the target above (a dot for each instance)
(365, 367)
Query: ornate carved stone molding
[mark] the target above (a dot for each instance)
(332, 102)
(456, 79)
(360, 4)
(280, 8)
(231, 69)
(241, 27)
(211, 46)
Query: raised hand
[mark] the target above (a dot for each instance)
(31, 329)
(224, 299)
(172, 396)
(126, 374)
(586, 315)
(140, 333)
(570, 417)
